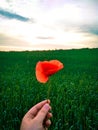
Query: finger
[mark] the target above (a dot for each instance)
(49, 115)
(47, 123)
(43, 113)
(34, 110)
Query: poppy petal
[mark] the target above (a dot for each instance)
(44, 69)
(41, 77)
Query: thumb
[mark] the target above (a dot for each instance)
(43, 112)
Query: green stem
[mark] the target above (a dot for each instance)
(48, 93)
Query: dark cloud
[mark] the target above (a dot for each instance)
(92, 29)
(11, 15)
(82, 28)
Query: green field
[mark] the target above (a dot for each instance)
(73, 90)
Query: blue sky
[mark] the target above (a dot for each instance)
(48, 24)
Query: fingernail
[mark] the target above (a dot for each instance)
(46, 106)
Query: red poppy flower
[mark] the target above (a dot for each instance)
(44, 69)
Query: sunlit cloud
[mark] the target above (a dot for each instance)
(48, 24)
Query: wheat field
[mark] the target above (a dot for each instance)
(73, 91)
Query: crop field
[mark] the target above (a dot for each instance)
(73, 91)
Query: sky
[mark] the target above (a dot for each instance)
(48, 24)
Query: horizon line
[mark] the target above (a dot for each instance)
(89, 48)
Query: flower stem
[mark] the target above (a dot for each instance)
(48, 92)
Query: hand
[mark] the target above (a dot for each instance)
(38, 117)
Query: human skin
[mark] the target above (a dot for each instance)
(38, 117)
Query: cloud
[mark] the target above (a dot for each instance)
(11, 15)
(81, 28)
(93, 29)
(11, 41)
(44, 38)
(47, 24)
(8, 43)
